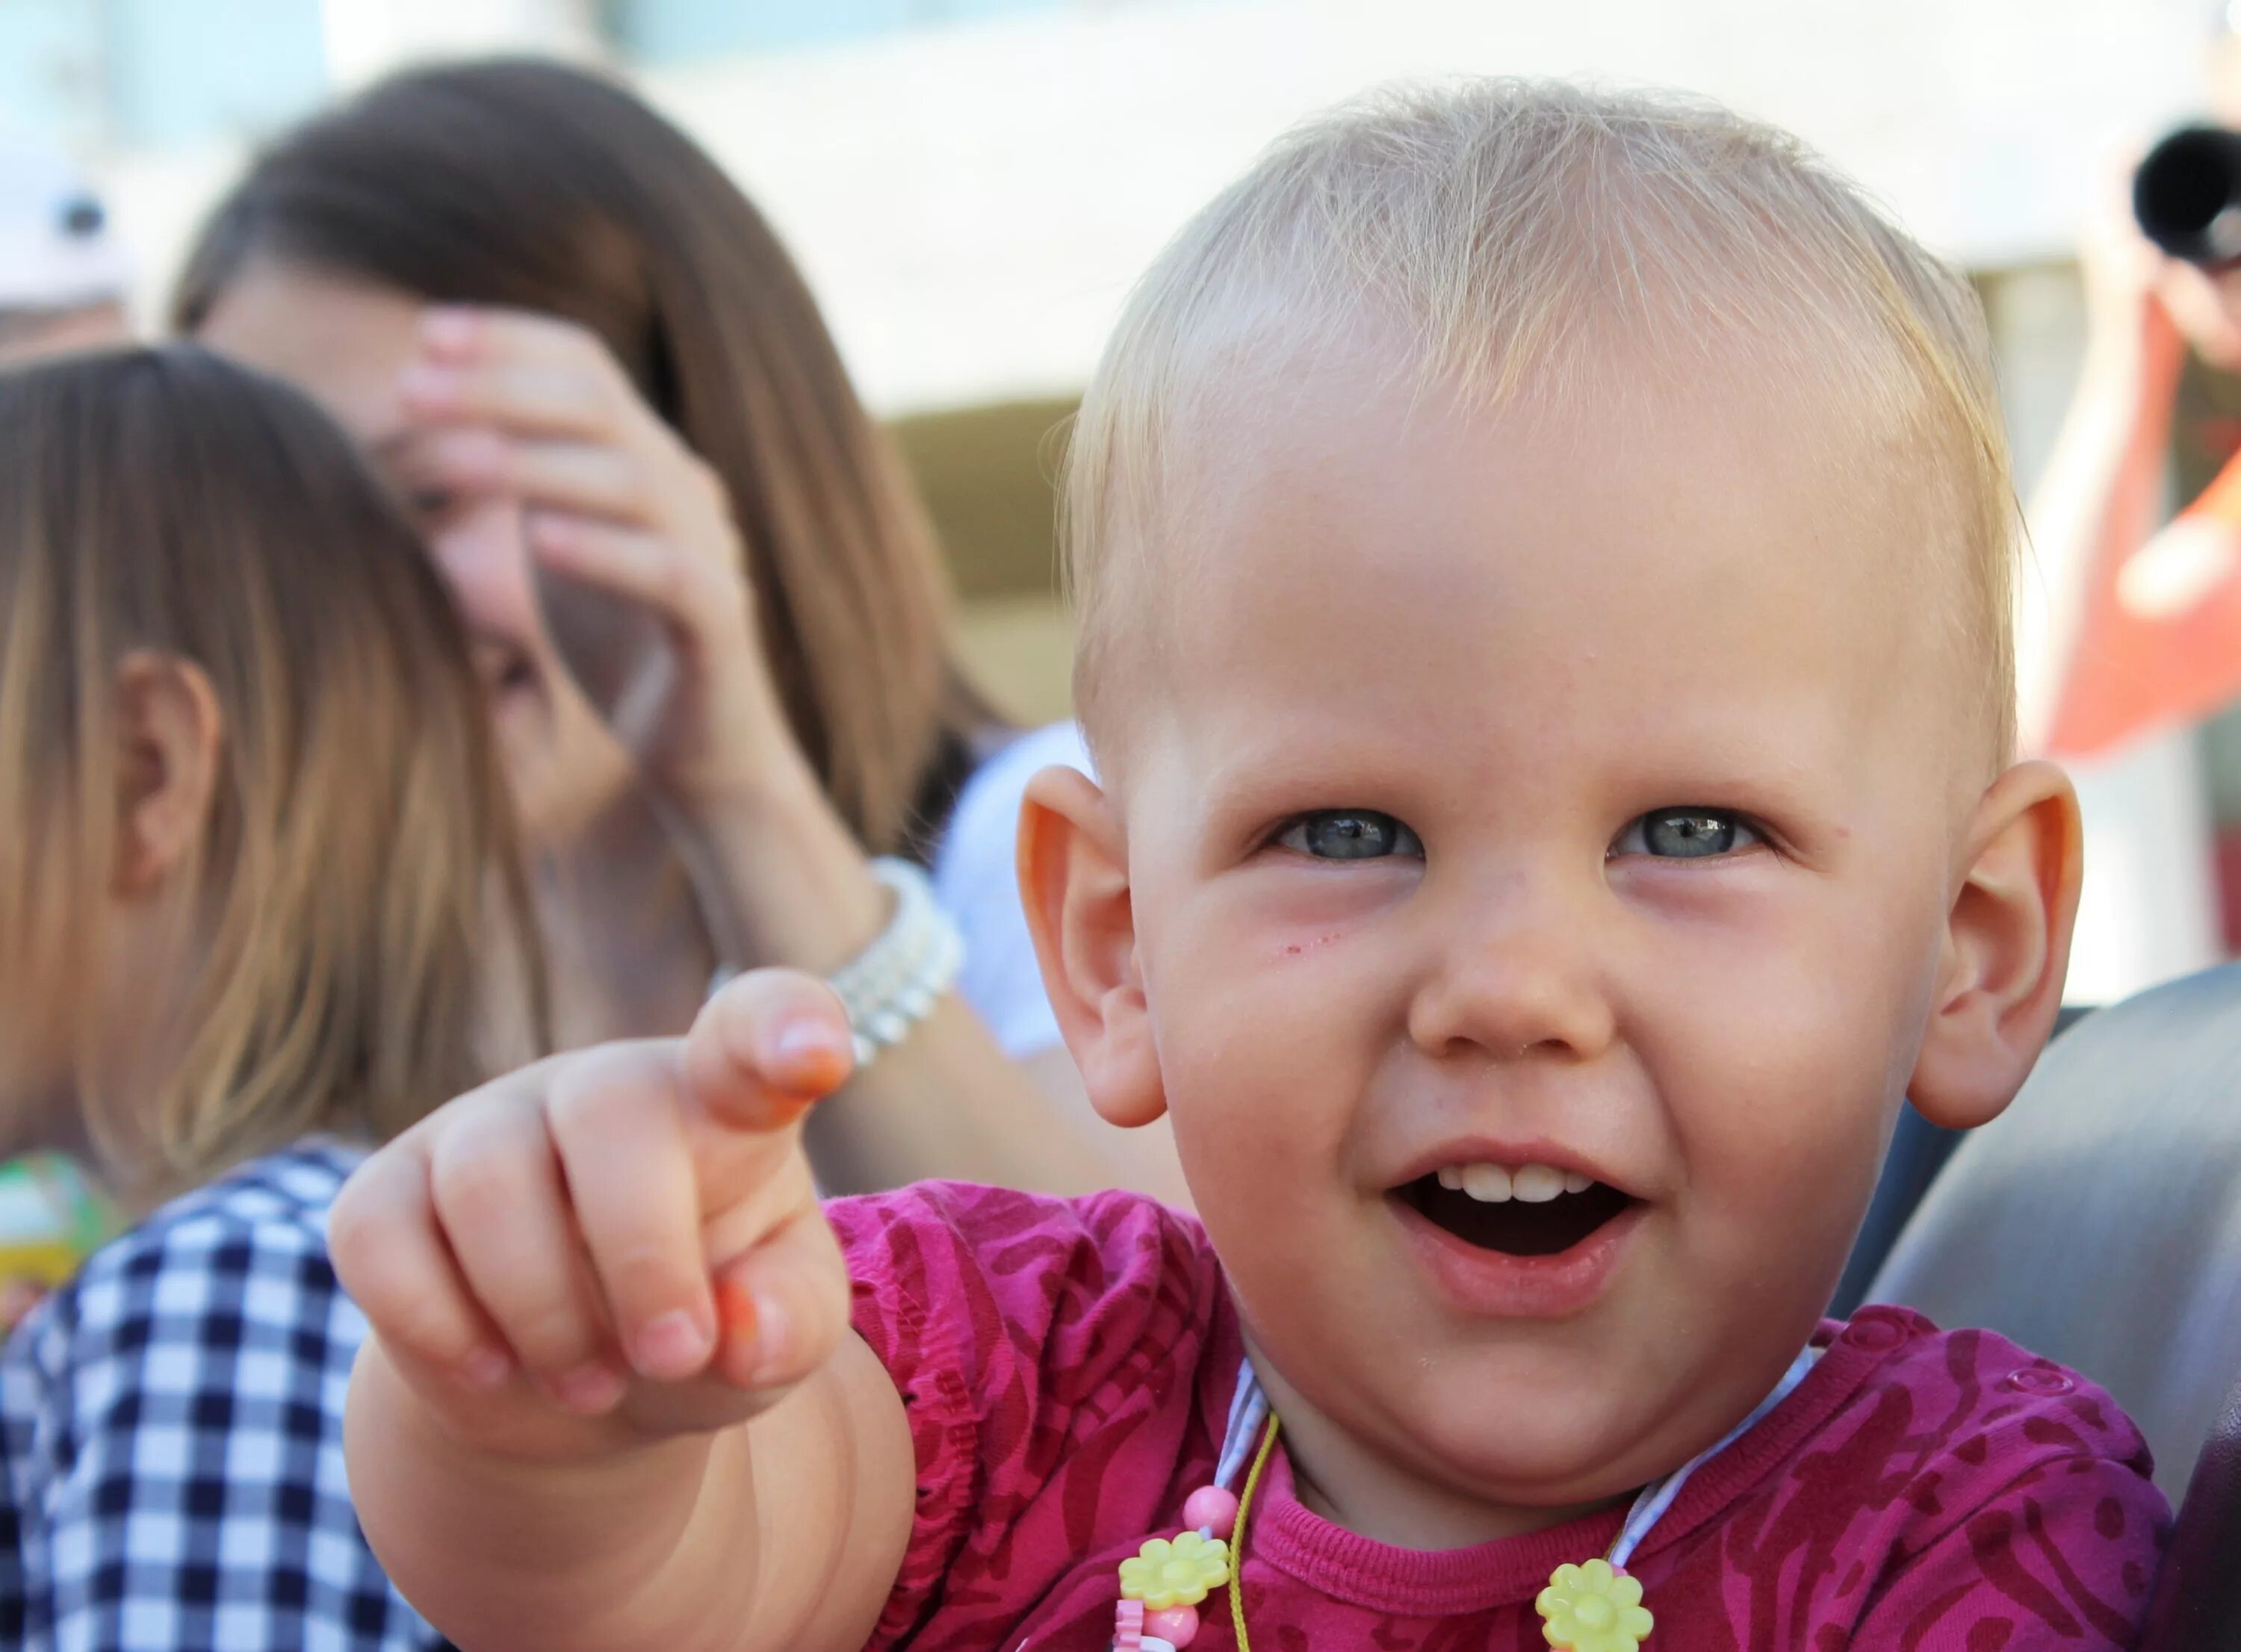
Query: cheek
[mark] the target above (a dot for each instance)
(1270, 1018)
(1781, 1055)
(1786, 1169)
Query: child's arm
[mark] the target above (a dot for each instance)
(746, 1488)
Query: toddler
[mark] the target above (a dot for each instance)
(1543, 566)
(258, 880)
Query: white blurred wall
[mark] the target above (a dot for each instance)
(970, 201)
(365, 37)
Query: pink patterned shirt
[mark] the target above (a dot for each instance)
(1068, 1369)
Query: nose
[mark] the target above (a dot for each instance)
(1514, 974)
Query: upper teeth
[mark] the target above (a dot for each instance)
(1491, 1184)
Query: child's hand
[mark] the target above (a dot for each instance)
(614, 1243)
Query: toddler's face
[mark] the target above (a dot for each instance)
(1541, 840)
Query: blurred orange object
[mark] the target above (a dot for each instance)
(2159, 643)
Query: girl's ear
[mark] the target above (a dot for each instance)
(2007, 949)
(1074, 879)
(168, 732)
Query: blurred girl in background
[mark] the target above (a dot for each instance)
(706, 600)
(260, 907)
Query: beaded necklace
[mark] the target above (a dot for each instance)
(1592, 1607)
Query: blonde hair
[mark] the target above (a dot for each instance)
(357, 888)
(1527, 239)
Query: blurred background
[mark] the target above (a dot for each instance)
(970, 184)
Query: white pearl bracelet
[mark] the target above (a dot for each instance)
(894, 983)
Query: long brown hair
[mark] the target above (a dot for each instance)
(357, 869)
(538, 186)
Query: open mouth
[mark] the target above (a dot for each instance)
(1529, 1210)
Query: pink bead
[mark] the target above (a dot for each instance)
(1210, 1506)
(1177, 1626)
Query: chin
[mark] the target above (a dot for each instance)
(1549, 1427)
(566, 799)
(1540, 1443)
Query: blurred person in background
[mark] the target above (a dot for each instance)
(63, 277)
(2143, 613)
(708, 604)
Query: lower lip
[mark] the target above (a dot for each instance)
(1491, 1284)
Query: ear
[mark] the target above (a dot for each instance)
(2007, 949)
(169, 730)
(1074, 879)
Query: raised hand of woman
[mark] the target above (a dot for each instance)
(629, 538)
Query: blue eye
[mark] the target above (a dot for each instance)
(1686, 834)
(1350, 834)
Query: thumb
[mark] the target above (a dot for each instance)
(766, 1048)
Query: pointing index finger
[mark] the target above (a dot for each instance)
(767, 1047)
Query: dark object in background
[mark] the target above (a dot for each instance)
(2197, 1604)
(2187, 196)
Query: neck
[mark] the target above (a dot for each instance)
(629, 953)
(1354, 1485)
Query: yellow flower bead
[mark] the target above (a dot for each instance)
(1593, 1609)
(1178, 1574)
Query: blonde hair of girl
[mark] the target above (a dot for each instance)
(354, 876)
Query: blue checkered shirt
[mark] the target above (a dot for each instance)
(171, 1423)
